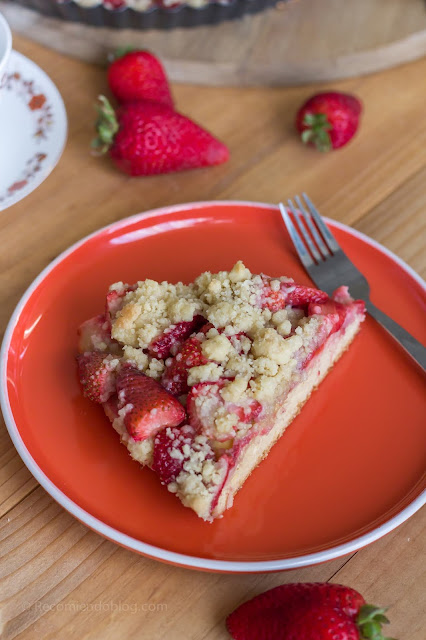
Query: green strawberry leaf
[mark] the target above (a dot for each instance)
(369, 612)
(316, 132)
(369, 622)
(120, 52)
(307, 135)
(106, 126)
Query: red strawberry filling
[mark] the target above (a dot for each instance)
(97, 375)
(166, 442)
(176, 374)
(288, 294)
(170, 452)
(175, 335)
(247, 413)
(147, 406)
(95, 335)
(205, 403)
(225, 464)
(335, 312)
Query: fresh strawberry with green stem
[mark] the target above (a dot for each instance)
(97, 375)
(328, 120)
(310, 611)
(138, 75)
(148, 407)
(147, 138)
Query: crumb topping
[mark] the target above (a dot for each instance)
(200, 473)
(252, 348)
(210, 372)
(152, 308)
(217, 348)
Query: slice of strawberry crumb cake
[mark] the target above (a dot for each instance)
(201, 380)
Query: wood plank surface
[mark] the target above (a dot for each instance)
(62, 580)
(57, 578)
(294, 43)
(75, 565)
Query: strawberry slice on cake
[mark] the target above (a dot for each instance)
(200, 380)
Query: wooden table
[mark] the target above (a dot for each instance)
(59, 580)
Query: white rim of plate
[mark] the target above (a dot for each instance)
(62, 133)
(193, 562)
(4, 25)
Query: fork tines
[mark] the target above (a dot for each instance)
(311, 237)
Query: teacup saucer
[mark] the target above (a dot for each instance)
(33, 129)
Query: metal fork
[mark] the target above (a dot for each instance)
(329, 267)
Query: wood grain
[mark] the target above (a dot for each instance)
(295, 43)
(392, 572)
(15, 479)
(57, 578)
(87, 587)
(75, 566)
(399, 222)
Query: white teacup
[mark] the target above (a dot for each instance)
(5, 46)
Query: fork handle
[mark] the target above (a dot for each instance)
(410, 344)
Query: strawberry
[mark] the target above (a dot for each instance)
(328, 120)
(210, 390)
(111, 407)
(175, 334)
(301, 295)
(138, 75)
(248, 413)
(147, 138)
(114, 4)
(343, 296)
(334, 311)
(289, 293)
(114, 301)
(236, 340)
(148, 407)
(97, 375)
(311, 611)
(176, 374)
(168, 467)
(93, 334)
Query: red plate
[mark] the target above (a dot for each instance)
(349, 469)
